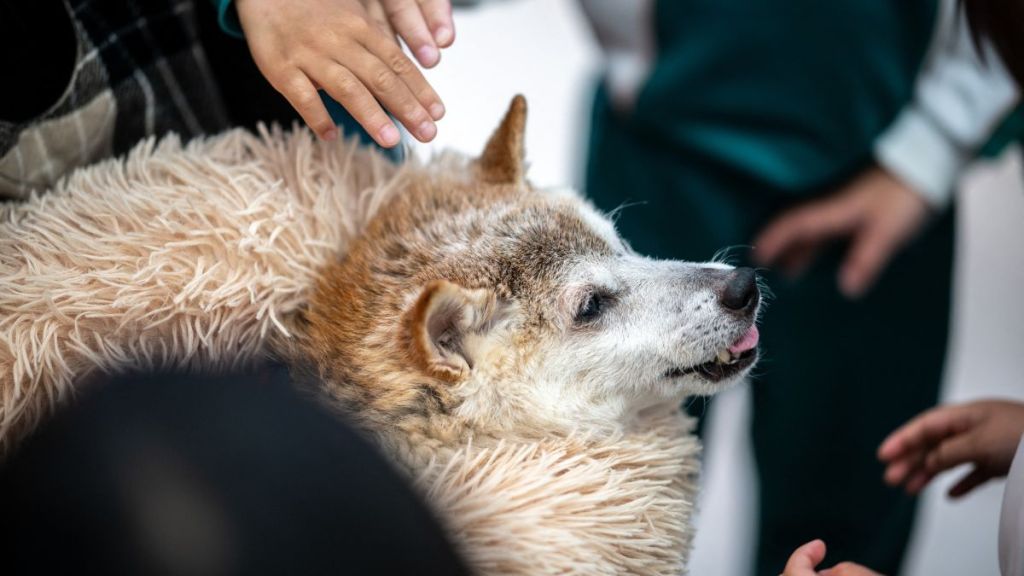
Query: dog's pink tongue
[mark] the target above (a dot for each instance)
(746, 342)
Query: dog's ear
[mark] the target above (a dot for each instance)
(503, 160)
(440, 321)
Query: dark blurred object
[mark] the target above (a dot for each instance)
(1001, 22)
(34, 79)
(174, 474)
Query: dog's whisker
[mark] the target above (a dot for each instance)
(614, 214)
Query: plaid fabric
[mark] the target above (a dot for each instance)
(140, 71)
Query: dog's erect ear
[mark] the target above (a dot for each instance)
(440, 321)
(503, 159)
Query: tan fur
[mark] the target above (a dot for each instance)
(231, 248)
(189, 256)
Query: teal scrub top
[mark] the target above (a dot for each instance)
(750, 107)
(791, 92)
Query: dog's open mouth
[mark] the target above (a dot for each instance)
(728, 362)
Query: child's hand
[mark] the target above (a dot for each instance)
(985, 434)
(346, 48)
(805, 559)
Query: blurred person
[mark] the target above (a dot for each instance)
(987, 434)
(830, 136)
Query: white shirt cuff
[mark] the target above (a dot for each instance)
(916, 151)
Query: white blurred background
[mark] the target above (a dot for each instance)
(543, 49)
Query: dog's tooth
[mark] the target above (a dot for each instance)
(724, 356)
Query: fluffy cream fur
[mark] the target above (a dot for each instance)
(196, 255)
(570, 506)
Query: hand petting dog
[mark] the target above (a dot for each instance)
(348, 48)
(876, 212)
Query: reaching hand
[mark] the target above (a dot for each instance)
(805, 559)
(984, 434)
(878, 214)
(347, 48)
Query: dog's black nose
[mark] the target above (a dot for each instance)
(739, 290)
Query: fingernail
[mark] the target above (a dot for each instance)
(426, 131)
(437, 111)
(427, 55)
(443, 35)
(330, 134)
(388, 135)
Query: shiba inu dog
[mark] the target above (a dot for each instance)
(507, 349)
(474, 305)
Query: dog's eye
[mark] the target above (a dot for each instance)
(592, 307)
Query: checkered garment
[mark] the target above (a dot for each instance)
(139, 71)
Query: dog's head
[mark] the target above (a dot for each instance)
(482, 298)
